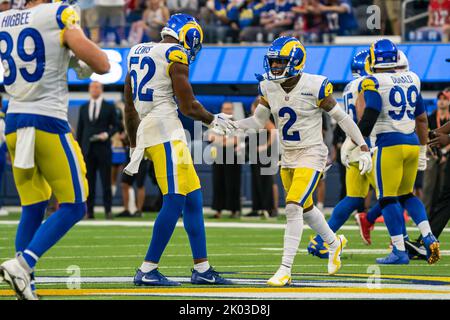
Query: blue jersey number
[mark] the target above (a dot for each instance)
(138, 90)
(401, 100)
(295, 135)
(38, 55)
(349, 107)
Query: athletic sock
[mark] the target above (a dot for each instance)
(202, 266)
(165, 225)
(393, 218)
(399, 242)
(343, 210)
(148, 266)
(30, 221)
(374, 213)
(52, 230)
(194, 224)
(292, 234)
(418, 214)
(315, 219)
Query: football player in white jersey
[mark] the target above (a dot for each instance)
(297, 100)
(395, 113)
(35, 51)
(357, 185)
(158, 72)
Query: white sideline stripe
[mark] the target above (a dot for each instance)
(244, 225)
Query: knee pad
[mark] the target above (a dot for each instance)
(293, 212)
(384, 202)
(405, 197)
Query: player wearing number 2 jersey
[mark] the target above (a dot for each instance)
(35, 48)
(157, 73)
(394, 112)
(296, 101)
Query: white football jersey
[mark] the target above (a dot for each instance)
(399, 93)
(34, 60)
(298, 118)
(350, 95)
(297, 114)
(148, 66)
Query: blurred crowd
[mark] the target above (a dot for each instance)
(127, 22)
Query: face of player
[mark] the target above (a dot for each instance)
(95, 89)
(277, 66)
(227, 108)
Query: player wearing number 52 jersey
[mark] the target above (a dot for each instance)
(394, 112)
(158, 72)
(296, 100)
(35, 46)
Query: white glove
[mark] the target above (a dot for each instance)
(365, 162)
(346, 150)
(222, 124)
(81, 68)
(423, 158)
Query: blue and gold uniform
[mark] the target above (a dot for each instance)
(36, 81)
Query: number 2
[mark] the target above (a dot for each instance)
(295, 135)
(138, 91)
(38, 54)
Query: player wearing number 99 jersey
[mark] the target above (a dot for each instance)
(158, 72)
(296, 100)
(394, 112)
(35, 46)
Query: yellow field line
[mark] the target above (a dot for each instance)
(365, 275)
(93, 292)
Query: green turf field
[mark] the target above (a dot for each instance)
(105, 252)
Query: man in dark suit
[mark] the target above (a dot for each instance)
(97, 123)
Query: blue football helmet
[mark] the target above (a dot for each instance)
(291, 53)
(383, 54)
(187, 31)
(360, 64)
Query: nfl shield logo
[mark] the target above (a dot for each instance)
(286, 98)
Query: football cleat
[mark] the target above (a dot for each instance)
(432, 247)
(395, 257)
(334, 259)
(364, 227)
(317, 247)
(416, 250)
(18, 278)
(153, 278)
(281, 278)
(210, 276)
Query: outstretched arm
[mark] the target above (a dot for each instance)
(259, 119)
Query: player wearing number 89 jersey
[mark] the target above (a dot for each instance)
(35, 46)
(297, 100)
(394, 112)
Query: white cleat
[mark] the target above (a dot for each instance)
(18, 278)
(334, 256)
(281, 278)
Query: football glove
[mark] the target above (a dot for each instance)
(346, 152)
(423, 158)
(82, 70)
(365, 162)
(222, 124)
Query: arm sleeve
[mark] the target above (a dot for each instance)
(368, 121)
(347, 124)
(257, 121)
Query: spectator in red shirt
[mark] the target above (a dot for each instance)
(439, 17)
